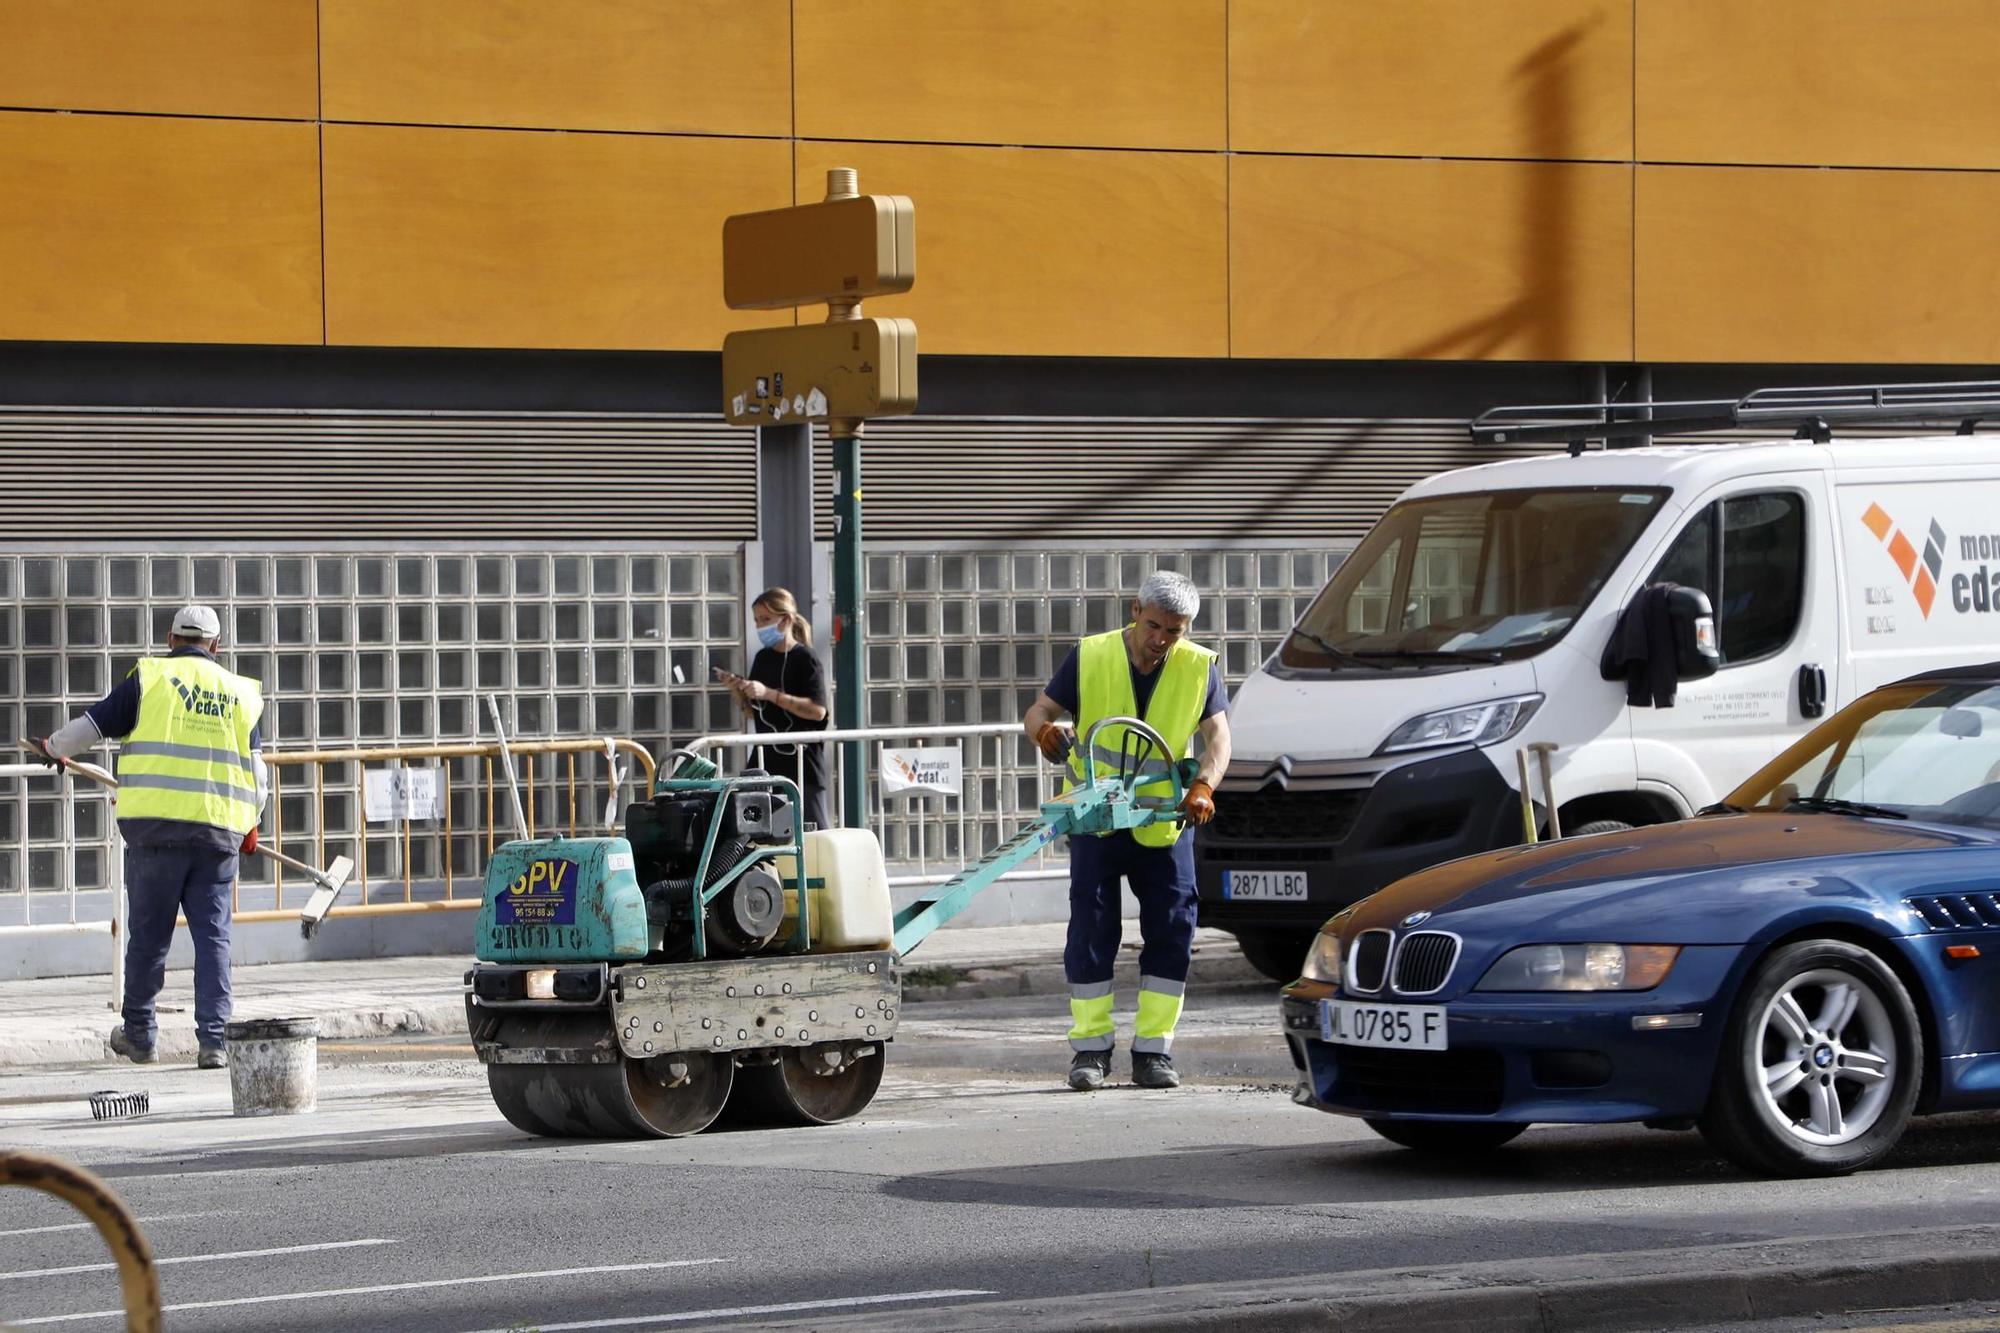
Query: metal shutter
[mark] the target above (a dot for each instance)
(353, 476)
(1136, 479)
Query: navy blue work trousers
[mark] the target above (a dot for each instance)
(160, 881)
(1162, 879)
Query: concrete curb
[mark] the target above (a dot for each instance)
(1595, 1293)
(975, 982)
(374, 1017)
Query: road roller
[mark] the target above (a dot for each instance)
(714, 962)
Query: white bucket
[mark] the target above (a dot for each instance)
(273, 1065)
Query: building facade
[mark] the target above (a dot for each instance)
(390, 326)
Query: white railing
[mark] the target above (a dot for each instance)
(112, 927)
(1006, 775)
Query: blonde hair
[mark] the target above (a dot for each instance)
(780, 603)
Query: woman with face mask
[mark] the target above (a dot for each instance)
(786, 692)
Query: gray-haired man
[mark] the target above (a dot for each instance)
(1147, 670)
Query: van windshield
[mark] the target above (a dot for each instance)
(1481, 577)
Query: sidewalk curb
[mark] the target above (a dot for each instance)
(976, 982)
(1572, 1294)
(376, 1017)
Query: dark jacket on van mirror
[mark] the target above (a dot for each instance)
(1665, 636)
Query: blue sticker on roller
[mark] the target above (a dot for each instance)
(542, 895)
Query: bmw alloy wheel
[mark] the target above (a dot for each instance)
(1829, 1056)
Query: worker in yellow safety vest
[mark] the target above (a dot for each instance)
(191, 790)
(1147, 670)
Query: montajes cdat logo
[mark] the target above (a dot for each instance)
(1923, 579)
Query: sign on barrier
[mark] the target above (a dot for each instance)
(390, 794)
(937, 769)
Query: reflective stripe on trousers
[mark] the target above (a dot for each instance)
(1090, 1017)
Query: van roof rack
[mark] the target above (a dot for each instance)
(1809, 413)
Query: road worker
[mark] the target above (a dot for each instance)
(191, 790)
(1151, 671)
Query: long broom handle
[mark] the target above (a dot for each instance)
(98, 775)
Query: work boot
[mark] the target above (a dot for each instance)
(131, 1050)
(1154, 1069)
(1089, 1069)
(212, 1057)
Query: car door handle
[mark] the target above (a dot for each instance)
(1812, 691)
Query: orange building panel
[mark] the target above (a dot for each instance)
(498, 238)
(1052, 252)
(1110, 73)
(155, 229)
(191, 57)
(682, 66)
(1357, 258)
(1549, 79)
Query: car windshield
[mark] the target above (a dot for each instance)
(1480, 577)
(1924, 750)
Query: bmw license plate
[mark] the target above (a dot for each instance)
(1400, 1027)
(1269, 885)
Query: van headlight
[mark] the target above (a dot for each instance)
(1581, 967)
(1323, 959)
(1470, 724)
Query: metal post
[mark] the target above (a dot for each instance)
(849, 680)
(785, 510)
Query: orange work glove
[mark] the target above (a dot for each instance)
(250, 842)
(1199, 803)
(1055, 742)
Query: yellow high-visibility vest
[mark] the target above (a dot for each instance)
(189, 756)
(1104, 689)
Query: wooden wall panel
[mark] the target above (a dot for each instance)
(691, 66)
(1854, 83)
(148, 229)
(1397, 258)
(191, 57)
(1109, 73)
(1777, 264)
(1052, 252)
(1432, 78)
(503, 238)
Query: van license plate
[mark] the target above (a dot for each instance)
(1401, 1027)
(1271, 885)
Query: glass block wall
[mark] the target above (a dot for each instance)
(380, 650)
(369, 650)
(972, 635)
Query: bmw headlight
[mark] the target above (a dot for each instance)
(1581, 967)
(1472, 724)
(1323, 959)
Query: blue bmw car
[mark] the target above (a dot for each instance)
(1797, 971)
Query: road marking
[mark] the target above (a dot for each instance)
(201, 1258)
(92, 1226)
(371, 1291)
(789, 1307)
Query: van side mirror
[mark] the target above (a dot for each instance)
(1696, 654)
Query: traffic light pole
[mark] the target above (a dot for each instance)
(849, 680)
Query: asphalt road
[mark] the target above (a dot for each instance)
(406, 1203)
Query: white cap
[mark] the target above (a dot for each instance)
(197, 622)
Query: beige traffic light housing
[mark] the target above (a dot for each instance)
(835, 251)
(846, 369)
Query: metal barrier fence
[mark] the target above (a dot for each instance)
(1005, 781)
(436, 833)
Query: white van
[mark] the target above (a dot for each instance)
(1473, 620)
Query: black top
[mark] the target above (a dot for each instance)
(797, 673)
